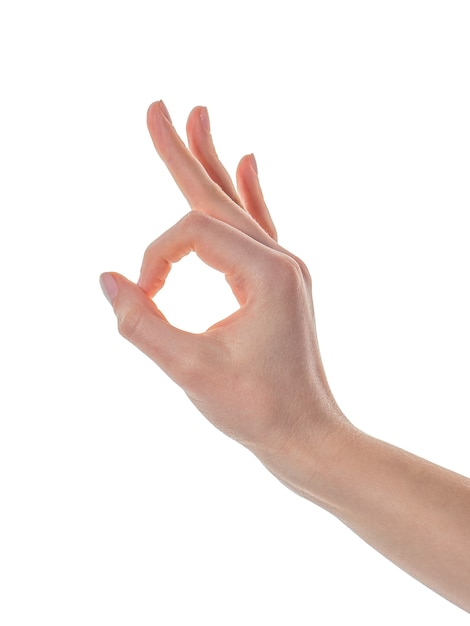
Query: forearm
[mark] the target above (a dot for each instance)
(415, 513)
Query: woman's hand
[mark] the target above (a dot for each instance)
(256, 375)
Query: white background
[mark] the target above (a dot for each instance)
(119, 503)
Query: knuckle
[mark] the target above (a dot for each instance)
(195, 221)
(288, 269)
(289, 274)
(304, 271)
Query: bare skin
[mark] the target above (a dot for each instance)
(258, 376)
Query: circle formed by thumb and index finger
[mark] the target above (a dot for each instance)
(218, 244)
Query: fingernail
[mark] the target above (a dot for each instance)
(109, 287)
(254, 165)
(204, 115)
(164, 110)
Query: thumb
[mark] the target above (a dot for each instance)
(142, 323)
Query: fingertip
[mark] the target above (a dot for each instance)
(151, 111)
(109, 286)
(196, 110)
(253, 163)
(204, 119)
(247, 167)
(158, 108)
(194, 118)
(164, 111)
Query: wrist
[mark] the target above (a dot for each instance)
(313, 462)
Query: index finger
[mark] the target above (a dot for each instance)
(226, 249)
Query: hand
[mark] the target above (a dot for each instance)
(256, 375)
